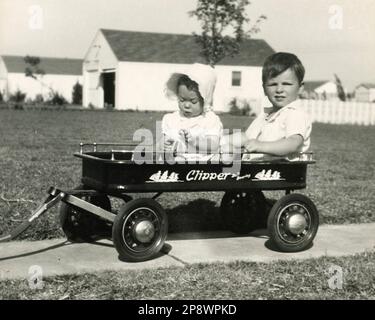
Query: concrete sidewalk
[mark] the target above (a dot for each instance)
(58, 256)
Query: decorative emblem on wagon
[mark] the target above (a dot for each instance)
(268, 175)
(164, 177)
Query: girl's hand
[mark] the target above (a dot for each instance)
(169, 145)
(186, 135)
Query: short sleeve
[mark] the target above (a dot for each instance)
(298, 122)
(213, 125)
(168, 125)
(254, 128)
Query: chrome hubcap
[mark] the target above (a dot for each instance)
(144, 231)
(293, 223)
(296, 223)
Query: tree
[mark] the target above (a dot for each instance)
(340, 89)
(77, 93)
(223, 27)
(34, 71)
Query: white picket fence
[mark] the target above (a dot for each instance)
(338, 112)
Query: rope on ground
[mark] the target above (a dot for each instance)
(8, 201)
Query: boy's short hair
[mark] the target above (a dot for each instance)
(279, 62)
(184, 80)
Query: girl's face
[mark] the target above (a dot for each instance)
(189, 102)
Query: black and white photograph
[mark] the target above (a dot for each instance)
(187, 157)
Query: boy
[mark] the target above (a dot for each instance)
(283, 129)
(194, 128)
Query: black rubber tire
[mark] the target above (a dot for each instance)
(243, 212)
(81, 226)
(285, 240)
(123, 230)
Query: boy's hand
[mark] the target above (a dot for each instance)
(252, 145)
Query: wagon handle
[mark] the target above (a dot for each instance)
(54, 196)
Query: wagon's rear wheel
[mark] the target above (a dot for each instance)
(81, 226)
(293, 223)
(140, 229)
(243, 212)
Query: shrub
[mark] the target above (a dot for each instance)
(234, 109)
(77, 94)
(56, 99)
(17, 99)
(239, 108)
(39, 99)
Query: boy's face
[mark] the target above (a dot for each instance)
(283, 89)
(189, 102)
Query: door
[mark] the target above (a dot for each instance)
(109, 81)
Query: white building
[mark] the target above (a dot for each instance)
(128, 70)
(320, 90)
(365, 92)
(60, 74)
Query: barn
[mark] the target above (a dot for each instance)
(128, 70)
(60, 74)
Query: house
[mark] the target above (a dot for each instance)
(320, 90)
(60, 74)
(365, 92)
(128, 70)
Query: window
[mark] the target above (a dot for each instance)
(236, 78)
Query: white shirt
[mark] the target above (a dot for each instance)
(288, 121)
(206, 124)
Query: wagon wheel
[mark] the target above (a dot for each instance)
(243, 212)
(140, 229)
(81, 226)
(293, 223)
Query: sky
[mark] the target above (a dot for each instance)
(329, 36)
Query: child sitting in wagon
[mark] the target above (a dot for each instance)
(283, 129)
(194, 130)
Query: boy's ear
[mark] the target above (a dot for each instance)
(301, 87)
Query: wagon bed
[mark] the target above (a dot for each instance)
(114, 172)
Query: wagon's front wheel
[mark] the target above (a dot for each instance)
(293, 223)
(140, 229)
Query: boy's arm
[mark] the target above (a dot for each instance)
(233, 141)
(280, 147)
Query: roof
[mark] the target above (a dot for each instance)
(310, 86)
(367, 85)
(62, 66)
(177, 48)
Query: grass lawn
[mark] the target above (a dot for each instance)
(308, 279)
(37, 147)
